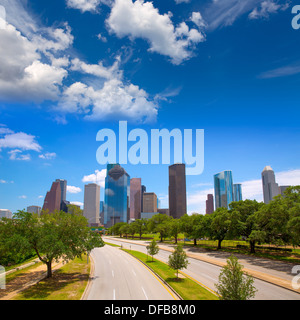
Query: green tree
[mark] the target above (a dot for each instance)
(152, 248)
(174, 227)
(233, 283)
(54, 236)
(125, 229)
(116, 229)
(140, 226)
(220, 225)
(193, 226)
(178, 259)
(159, 223)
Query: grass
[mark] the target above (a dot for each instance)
(185, 287)
(67, 283)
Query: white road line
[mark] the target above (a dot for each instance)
(133, 272)
(112, 272)
(145, 293)
(114, 294)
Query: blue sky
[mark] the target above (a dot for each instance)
(72, 67)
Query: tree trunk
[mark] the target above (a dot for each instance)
(176, 240)
(195, 242)
(219, 244)
(49, 269)
(252, 246)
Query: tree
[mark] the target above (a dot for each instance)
(124, 229)
(174, 228)
(152, 248)
(233, 283)
(178, 259)
(220, 225)
(116, 229)
(158, 223)
(192, 226)
(140, 226)
(54, 236)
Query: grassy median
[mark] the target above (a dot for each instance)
(67, 283)
(184, 286)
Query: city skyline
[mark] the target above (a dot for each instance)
(228, 74)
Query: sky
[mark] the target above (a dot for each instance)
(70, 68)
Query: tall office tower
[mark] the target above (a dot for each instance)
(282, 189)
(237, 192)
(223, 189)
(150, 202)
(135, 198)
(270, 187)
(91, 209)
(34, 209)
(210, 204)
(52, 200)
(117, 196)
(101, 212)
(5, 213)
(144, 189)
(177, 190)
(63, 188)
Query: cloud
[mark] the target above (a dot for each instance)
(21, 141)
(198, 20)
(266, 8)
(23, 197)
(86, 5)
(97, 177)
(16, 155)
(141, 19)
(182, 1)
(48, 156)
(74, 190)
(77, 203)
(281, 72)
(251, 189)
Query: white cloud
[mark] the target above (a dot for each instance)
(72, 189)
(17, 155)
(77, 203)
(198, 20)
(48, 156)
(281, 72)
(266, 8)
(141, 19)
(97, 177)
(251, 189)
(86, 5)
(21, 141)
(23, 197)
(182, 1)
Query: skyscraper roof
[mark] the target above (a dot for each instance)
(267, 168)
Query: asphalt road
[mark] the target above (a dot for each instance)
(208, 274)
(119, 276)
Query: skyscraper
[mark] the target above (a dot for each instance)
(150, 202)
(270, 187)
(223, 189)
(237, 192)
(177, 190)
(91, 208)
(52, 200)
(210, 204)
(135, 198)
(63, 188)
(34, 209)
(117, 196)
(144, 189)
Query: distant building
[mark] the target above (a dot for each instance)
(177, 190)
(237, 192)
(117, 196)
(148, 215)
(5, 213)
(135, 198)
(34, 209)
(102, 212)
(150, 202)
(52, 200)
(63, 196)
(223, 189)
(144, 189)
(163, 211)
(282, 189)
(210, 204)
(91, 208)
(270, 187)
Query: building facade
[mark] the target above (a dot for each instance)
(91, 208)
(177, 190)
(52, 200)
(270, 187)
(34, 209)
(210, 204)
(135, 198)
(63, 195)
(223, 189)
(5, 213)
(117, 196)
(237, 192)
(150, 202)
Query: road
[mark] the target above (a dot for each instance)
(119, 276)
(208, 274)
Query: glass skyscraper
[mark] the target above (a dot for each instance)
(117, 195)
(237, 192)
(223, 189)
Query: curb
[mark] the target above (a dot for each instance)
(89, 284)
(161, 279)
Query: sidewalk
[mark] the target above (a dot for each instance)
(25, 280)
(275, 272)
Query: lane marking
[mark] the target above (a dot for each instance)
(145, 293)
(112, 272)
(114, 294)
(133, 272)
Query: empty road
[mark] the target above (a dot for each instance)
(208, 274)
(119, 276)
